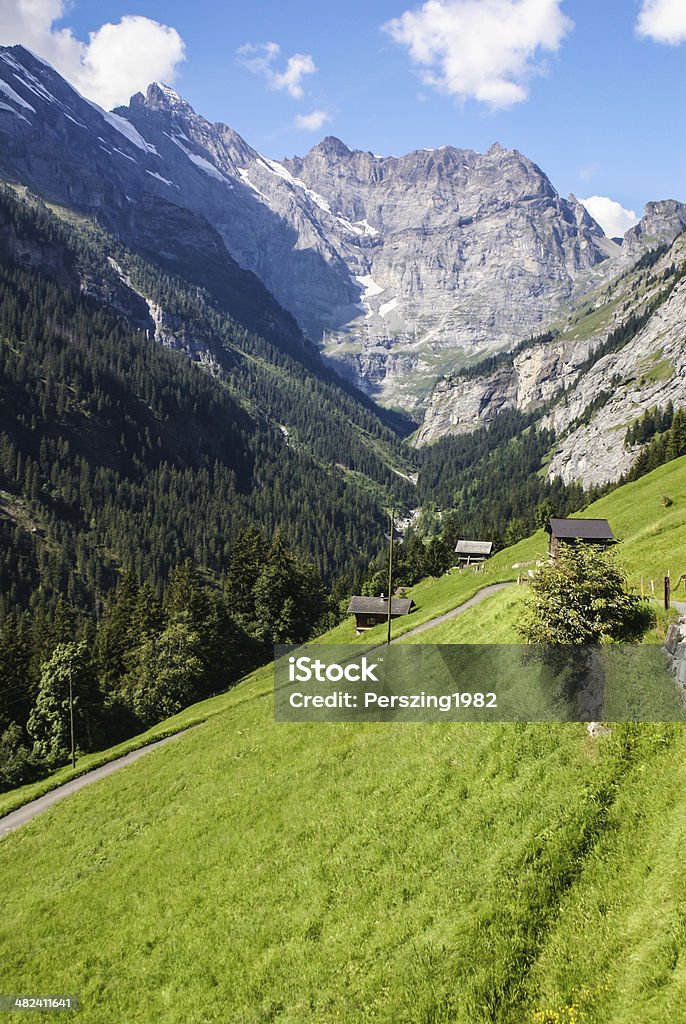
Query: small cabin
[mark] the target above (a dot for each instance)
(371, 611)
(589, 531)
(471, 552)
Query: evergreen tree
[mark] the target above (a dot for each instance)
(165, 673)
(49, 721)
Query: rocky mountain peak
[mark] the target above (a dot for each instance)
(661, 223)
(330, 146)
(159, 96)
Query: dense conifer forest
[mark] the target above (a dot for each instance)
(125, 464)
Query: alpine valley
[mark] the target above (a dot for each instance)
(201, 340)
(219, 373)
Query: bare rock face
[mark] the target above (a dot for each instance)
(461, 406)
(400, 268)
(661, 223)
(535, 377)
(397, 266)
(587, 392)
(71, 152)
(455, 251)
(649, 371)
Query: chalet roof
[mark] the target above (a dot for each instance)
(474, 547)
(379, 606)
(580, 529)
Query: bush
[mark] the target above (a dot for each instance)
(582, 598)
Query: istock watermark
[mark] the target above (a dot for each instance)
(475, 683)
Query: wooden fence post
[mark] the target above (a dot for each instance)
(668, 587)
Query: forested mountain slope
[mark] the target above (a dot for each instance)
(118, 451)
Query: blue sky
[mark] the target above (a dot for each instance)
(592, 91)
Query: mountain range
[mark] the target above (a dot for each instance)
(403, 273)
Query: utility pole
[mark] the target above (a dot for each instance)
(71, 717)
(390, 574)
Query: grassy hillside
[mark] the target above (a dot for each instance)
(408, 874)
(650, 534)
(255, 872)
(652, 539)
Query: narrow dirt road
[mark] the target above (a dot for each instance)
(23, 814)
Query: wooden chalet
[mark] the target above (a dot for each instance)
(371, 611)
(569, 531)
(471, 552)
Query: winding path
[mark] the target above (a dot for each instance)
(480, 596)
(15, 819)
(28, 811)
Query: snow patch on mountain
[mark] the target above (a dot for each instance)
(15, 97)
(154, 174)
(284, 173)
(6, 106)
(387, 307)
(125, 128)
(34, 85)
(369, 289)
(207, 167)
(367, 228)
(126, 155)
(245, 178)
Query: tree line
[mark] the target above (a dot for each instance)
(148, 655)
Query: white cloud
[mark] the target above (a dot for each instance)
(483, 49)
(589, 171)
(312, 122)
(611, 215)
(663, 20)
(299, 65)
(259, 58)
(117, 60)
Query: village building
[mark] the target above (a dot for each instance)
(569, 531)
(472, 552)
(371, 611)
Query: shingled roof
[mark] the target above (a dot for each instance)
(474, 547)
(379, 606)
(580, 529)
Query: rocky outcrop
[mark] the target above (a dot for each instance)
(586, 397)
(535, 377)
(396, 265)
(399, 267)
(660, 225)
(649, 371)
(675, 645)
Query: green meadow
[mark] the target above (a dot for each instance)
(256, 872)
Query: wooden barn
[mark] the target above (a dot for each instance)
(589, 531)
(371, 611)
(471, 552)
